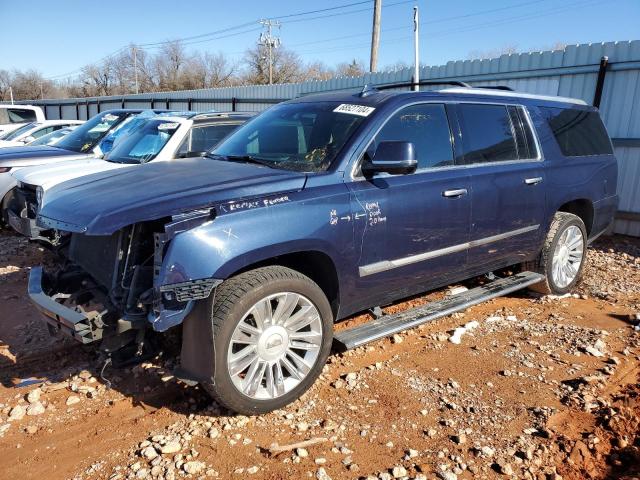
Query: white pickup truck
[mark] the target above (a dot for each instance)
(158, 138)
(14, 116)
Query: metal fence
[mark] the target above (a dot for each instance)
(576, 71)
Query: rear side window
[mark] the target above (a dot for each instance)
(578, 132)
(487, 133)
(20, 115)
(427, 127)
(203, 139)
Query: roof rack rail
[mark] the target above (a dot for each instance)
(506, 88)
(368, 89)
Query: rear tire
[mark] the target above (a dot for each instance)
(272, 334)
(563, 255)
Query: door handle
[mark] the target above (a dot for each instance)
(533, 181)
(458, 192)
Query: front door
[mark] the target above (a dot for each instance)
(411, 230)
(507, 184)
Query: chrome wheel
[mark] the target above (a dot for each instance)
(567, 257)
(274, 346)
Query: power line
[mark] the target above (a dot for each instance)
(463, 29)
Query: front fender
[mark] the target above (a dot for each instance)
(251, 232)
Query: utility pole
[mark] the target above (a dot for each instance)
(135, 65)
(375, 35)
(41, 92)
(11, 94)
(416, 45)
(269, 41)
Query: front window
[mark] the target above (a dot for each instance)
(87, 135)
(144, 143)
(19, 131)
(304, 137)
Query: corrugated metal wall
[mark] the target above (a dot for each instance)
(571, 72)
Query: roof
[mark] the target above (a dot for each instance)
(370, 96)
(222, 116)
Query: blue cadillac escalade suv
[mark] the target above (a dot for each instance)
(319, 208)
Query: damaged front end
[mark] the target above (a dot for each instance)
(106, 288)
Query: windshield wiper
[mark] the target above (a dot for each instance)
(241, 158)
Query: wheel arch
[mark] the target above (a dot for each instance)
(582, 208)
(315, 264)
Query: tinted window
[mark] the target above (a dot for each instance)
(525, 142)
(427, 127)
(487, 133)
(305, 136)
(578, 132)
(202, 139)
(19, 115)
(87, 135)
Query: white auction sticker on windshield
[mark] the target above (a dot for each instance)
(168, 126)
(360, 110)
(109, 118)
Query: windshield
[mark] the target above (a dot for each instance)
(19, 131)
(122, 130)
(87, 135)
(304, 137)
(143, 143)
(52, 138)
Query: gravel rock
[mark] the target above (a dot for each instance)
(149, 453)
(447, 475)
(34, 396)
(72, 400)
(194, 467)
(302, 452)
(171, 447)
(399, 471)
(321, 474)
(17, 413)
(35, 409)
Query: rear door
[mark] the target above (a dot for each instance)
(411, 230)
(507, 177)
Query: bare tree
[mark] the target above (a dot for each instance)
(5, 84)
(287, 66)
(355, 68)
(217, 70)
(492, 53)
(98, 79)
(317, 71)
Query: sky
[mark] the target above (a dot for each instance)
(58, 38)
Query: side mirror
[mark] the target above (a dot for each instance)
(396, 158)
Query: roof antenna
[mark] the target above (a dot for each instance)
(367, 90)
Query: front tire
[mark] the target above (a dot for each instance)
(563, 255)
(272, 334)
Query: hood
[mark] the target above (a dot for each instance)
(102, 203)
(46, 176)
(10, 143)
(27, 156)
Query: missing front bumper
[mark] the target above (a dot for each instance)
(70, 322)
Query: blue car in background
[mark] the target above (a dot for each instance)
(319, 208)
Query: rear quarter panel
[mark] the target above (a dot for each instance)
(593, 178)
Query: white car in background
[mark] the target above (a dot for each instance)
(159, 138)
(53, 137)
(34, 130)
(14, 116)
